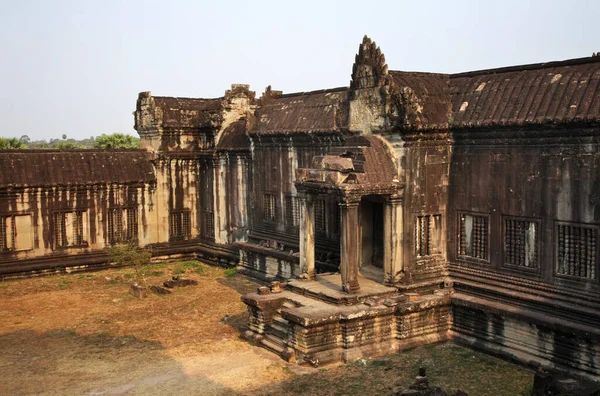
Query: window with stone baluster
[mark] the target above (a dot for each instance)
(521, 242)
(428, 234)
(180, 224)
(122, 224)
(68, 229)
(576, 250)
(292, 211)
(474, 237)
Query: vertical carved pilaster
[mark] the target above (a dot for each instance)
(349, 247)
(393, 241)
(307, 236)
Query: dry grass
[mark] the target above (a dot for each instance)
(99, 303)
(84, 334)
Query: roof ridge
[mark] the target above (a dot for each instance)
(187, 98)
(327, 90)
(54, 150)
(530, 66)
(420, 74)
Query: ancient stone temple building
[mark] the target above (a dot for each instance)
(406, 208)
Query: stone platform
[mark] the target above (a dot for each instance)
(328, 288)
(315, 322)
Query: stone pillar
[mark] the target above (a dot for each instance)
(349, 246)
(393, 241)
(307, 236)
(220, 195)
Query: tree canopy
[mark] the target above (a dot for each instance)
(11, 144)
(116, 140)
(112, 141)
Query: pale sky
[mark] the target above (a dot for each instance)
(76, 67)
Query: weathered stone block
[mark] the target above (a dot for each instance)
(138, 291)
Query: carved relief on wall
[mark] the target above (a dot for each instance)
(365, 77)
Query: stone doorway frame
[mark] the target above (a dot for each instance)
(349, 200)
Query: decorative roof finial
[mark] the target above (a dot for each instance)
(369, 68)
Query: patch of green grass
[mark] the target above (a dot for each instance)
(128, 275)
(194, 266)
(190, 264)
(156, 273)
(64, 283)
(229, 272)
(448, 366)
(178, 270)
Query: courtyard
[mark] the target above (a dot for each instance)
(83, 333)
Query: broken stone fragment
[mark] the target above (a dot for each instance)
(338, 164)
(275, 287)
(393, 301)
(373, 302)
(289, 355)
(448, 283)
(459, 392)
(312, 360)
(179, 282)
(412, 296)
(138, 291)
(408, 392)
(262, 290)
(159, 290)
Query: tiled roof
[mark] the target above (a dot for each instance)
(318, 111)
(234, 137)
(35, 168)
(555, 92)
(431, 93)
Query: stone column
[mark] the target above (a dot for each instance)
(393, 241)
(307, 236)
(349, 247)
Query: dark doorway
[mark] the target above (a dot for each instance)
(371, 230)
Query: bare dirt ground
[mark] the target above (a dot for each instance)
(84, 334)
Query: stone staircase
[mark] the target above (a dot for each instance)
(277, 335)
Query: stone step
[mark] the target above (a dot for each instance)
(273, 344)
(281, 321)
(278, 330)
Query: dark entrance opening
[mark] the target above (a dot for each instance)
(371, 237)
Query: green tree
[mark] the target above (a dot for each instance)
(130, 254)
(67, 146)
(11, 144)
(116, 141)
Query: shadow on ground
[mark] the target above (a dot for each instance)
(240, 283)
(65, 363)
